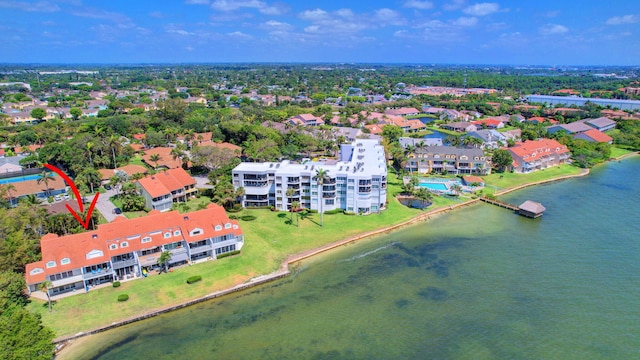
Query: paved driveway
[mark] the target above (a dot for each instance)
(104, 205)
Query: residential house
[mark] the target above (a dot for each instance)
(402, 112)
(601, 123)
(594, 135)
(306, 120)
(125, 248)
(571, 128)
(415, 142)
(461, 126)
(491, 139)
(165, 158)
(349, 134)
(534, 155)
(448, 159)
(488, 124)
(357, 182)
(164, 188)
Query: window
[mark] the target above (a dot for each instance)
(51, 264)
(94, 254)
(227, 226)
(218, 227)
(176, 233)
(124, 244)
(36, 271)
(65, 261)
(196, 231)
(167, 235)
(145, 239)
(113, 246)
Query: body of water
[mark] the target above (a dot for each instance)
(21, 178)
(477, 283)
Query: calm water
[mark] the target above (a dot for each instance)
(479, 283)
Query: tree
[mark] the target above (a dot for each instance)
(75, 113)
(45, 177)
(22, 335)
(155, 158)
(295, 206)
(12, 287)
(44, 287)
(89, 177)
(423, 195)
(456, 189)
(164, 259)
(290, 192)
(114, 144)
(392, 133)
(8, 189)
(38, 113)
(172, 110)
(321, 176)
(501, 159)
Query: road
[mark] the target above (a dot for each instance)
(104, 206)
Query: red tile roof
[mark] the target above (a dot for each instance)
(166, 159)
(533, 147)
(597, 136)
(77, 247)
(164, 182)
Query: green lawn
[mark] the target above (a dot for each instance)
(509, 180)
(268, 241)
(618, 152)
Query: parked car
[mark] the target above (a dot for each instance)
(67, 197)
(57, 198)
(117, 211)
(107, 186)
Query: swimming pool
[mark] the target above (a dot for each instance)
(21, 178)
(434, 186)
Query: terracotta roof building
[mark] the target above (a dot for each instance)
(594, 135)
(120, 250)
(164, 188)
(537, 155)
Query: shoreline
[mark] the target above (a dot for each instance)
(284, 269)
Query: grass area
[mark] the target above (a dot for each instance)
(509, 180)
(270, 238)
(448, 132)
(137, 160)
(617, 152)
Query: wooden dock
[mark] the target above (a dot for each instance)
(528, 208)
(502, 204)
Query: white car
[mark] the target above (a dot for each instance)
(57, 198)
(67, 197)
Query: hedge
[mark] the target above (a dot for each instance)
(123, 297)
(194, 279)
(220, 256)
(247, 217)
(332, 212)
(116, 283)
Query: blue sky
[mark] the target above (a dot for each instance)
(557, 32)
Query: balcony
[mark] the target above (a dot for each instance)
(68, 280)
(124, 263)
(97, 273)
(255, 177)
(252, 183)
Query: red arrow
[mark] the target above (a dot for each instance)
(67, 179)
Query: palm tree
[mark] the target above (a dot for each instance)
(89, 147)
(240, 193)
(456, 189)
(9, 189)
(321, 176)
(45, 177)
(114, 143)
(44, 287)
(90, 177)
(164, 259)
(30, 199)
(290, 192)
(155, 158)
(295, 206)
(423, 195)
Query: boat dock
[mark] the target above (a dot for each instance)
(528, 208)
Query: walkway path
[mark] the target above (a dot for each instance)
(104, 205)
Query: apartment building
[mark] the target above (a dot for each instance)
(120, 250)
(164, 188)
(537, 155)
(449, 159)
(356, 182)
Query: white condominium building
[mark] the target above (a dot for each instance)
(357, 182)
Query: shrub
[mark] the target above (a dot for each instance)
(349, 213)
(332, 212)
(116, 283)
(233, 217)
(220, 256)
(313, 211)
(194, 279)
(123, 297)
(247, 217)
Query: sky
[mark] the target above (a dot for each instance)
(538, 32)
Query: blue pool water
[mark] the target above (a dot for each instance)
(435, 186)
(20, 179)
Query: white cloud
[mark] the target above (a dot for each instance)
(273, 25)
(482, 9)
(388, 16)
(261, 6)
(553, 29)
(239, 35)
(421, 5)
(197, 2)
(466, 21)
(316, 15)
(180, 32)
(626, 19)
(346, 13)
(39, 6)
(454, 5)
